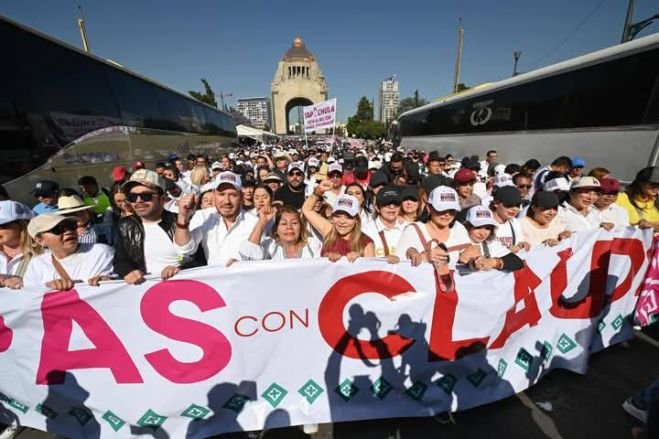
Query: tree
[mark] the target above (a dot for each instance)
(410, 103)
(362, 124)
(207, 97)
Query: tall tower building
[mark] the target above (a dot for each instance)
(257, 110)
(389, 97)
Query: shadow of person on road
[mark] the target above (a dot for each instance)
(65, 409)
(227, 401)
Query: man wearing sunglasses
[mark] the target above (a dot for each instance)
(292, 193)
(65, 260)
(219, 232)
(145, 240)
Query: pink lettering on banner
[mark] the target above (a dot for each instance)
(215, 346)
(6, 335)
(59, 310)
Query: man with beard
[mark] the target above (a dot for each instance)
(292, 193)
(145, 240)
(219, 232)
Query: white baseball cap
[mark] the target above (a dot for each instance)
(503, 179)
(216, 165)
(444, 198)
(499, 169)
(228, 177)
(557, 184)
(313, 162)
(296, 165)
(479, 216)
(586, 183)
(334, 167)
(13, 211)
(347, 204)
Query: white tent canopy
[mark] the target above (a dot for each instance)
(255, 133)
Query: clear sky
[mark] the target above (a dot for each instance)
(236, 44)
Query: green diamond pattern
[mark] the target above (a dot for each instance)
(524, 359)
(546, 350)
(274, 394)
(347, 390)
(18, 406)
(46, 411)
(381, 388)
(82, 414)
(477, 377)
(447, 383)
(600, 326)
(501, 367)
(195, 412)
(617, 323)
(115, 421)
(310, 391)
(236, 403)
(565, 344)
(417, 390)
(151, 419)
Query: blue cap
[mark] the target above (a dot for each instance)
(172, 156)
(578, 162)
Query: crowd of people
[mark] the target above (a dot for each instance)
(288, 201)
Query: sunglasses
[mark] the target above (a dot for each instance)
(295, 174)
(145, 196)
(510, 206)
(524, 186)
(63, 227)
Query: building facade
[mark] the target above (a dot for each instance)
(298, 81)
(257, 110)
(389, 97)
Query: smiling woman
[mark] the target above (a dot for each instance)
(342, 235)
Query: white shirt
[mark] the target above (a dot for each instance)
(480, 189)
(574, 221)
(220, 244)
(90, 260)
(7, 266)
(410, 238)
(391, 235)
(270, 249)
(159, 250)
(509, 233)
(615, 214)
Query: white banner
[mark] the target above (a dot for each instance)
(319, 116)
(269, 344)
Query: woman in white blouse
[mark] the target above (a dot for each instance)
(289, 238)
(16, 246)
(578, 214)
(416, 241)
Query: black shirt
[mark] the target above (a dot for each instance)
(289, 197)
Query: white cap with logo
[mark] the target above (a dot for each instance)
(347, 204)
(444, 198)
(503, 179)
(334, 167)
(13, 211)
(479, 216)
(228, 177)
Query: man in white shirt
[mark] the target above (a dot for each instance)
(219, 231)
(385, 231)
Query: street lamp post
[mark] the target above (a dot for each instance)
(516, 54)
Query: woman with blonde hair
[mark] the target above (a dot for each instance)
(342, 235)
(16, 246)
(289, 238)
(199, 177)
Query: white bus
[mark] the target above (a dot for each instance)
(603, 106)
(65, 113)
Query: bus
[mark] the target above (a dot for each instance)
(603, 107)
(65, 113)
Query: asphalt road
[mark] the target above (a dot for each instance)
(582, 406)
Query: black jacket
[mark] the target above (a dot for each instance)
(129, 248)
